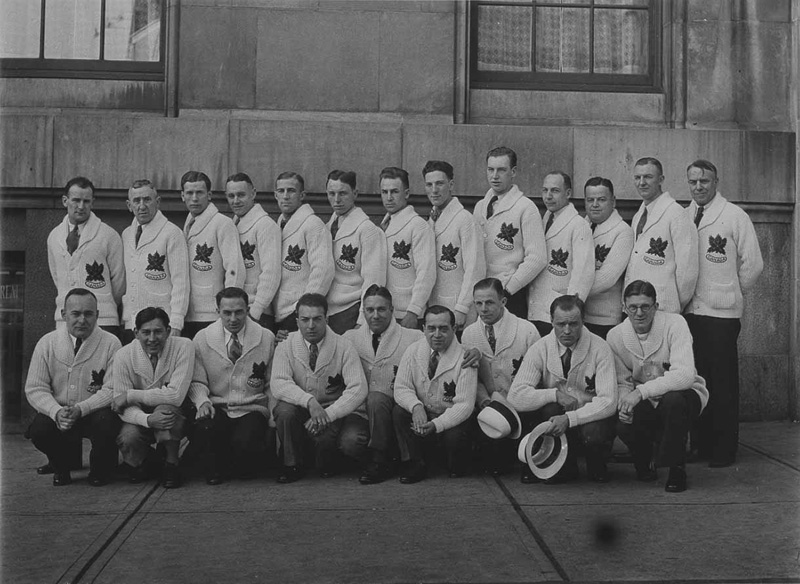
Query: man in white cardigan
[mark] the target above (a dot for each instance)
(730, 262)
(69, 387)
(84, 252)
(359, 252)
(215, 257)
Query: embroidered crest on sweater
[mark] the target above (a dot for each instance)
(591, 384)
(94, 275)
(247, 254)
(259, 375)
(666, 365)
(347, 259)
(505, 238)
(449, 391)
(448, 260)
(202, 257)
(335, 384)
(657, 248)
(400, 258)
(97, 381)
(394, 377)
(716, 249)
(600, 254)
(155, 266)
(558, 262)
(515, 363)
(293, 256)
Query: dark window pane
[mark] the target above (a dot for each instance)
(562, 40)
(133, 30)
(20, 28)
(621, 41)
(72, 29)
(504, 38)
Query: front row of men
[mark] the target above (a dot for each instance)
(375, 393)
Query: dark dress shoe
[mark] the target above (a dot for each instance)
(375, 473)
(646, 474)
(457, 473)
(97, 479)
(45, 469)
(290, 474)
(676, 482)
(137, 474)
(415, 471)
(565, 475)
(61, 479)
(327, 473)
(171, 478)
(214, 479)
(527, 477)
(597, 470)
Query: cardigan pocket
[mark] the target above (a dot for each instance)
(721, 295)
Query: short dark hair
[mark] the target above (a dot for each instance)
(503, 151)
(79, 292)
(196, 176)
(489, 284)
(640, 288)
(312, 300)
(599, 181)
(348, 177)
(232, 292)
(81, 182)
(650, 160)
(292, 175)
(376, 290)
(240, 177)
(439, 309)
(393, 172)
(563, 175)
(152, 313)
(440, 165)
(703, 165)
(567, 302)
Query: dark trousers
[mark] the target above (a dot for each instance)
(517, 303)
(382, 441)
(601, 330)
(457, 441)
(716, 357)
(239, 443)
(542, 327)
(668, 425)
(345, 320)
(190, 329)
(126, 336)
(101, 427)
(494, 454)
(114, 330)
(288, 324)
(347, 436)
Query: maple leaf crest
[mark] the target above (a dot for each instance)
(394, 377)
(601, 253)
(559, 258)
(203, 253)
(716, 244)
(335, 383)
(515, 363)
(97, 381)
(507, 232)
(657, 247)
(449, 253)
(294, 254)
(259, 371)
(247, 250)
(449, 391)
(401, 249)
(591, 383)
(155, 262)
(666, 365)
(349, 254)
(94, 272)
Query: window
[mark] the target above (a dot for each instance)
(92, 39)
(578, 45)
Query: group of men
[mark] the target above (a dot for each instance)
(271, 331)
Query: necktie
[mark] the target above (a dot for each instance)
(490, 206)
(154, 361)
(594, 226)
(236, 220)
(313, 353)
(642, 222)
(433, 364)
(189, 225)
(490, 336)
(234, 348)
(699, 216)
(72, 240)
(376, 340)
(283, 222)
(549, 223)
(566, 362)
(435, 212)
(385, 222)
(334, 228)
(138, 235)
(78, 343)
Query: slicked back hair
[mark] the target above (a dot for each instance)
(376, 290)
(289, 175)
(640, 288)
(312, 300)
(489, 284)
(567, 178)
(81, 182)
(440, 165)
(240, 177)
(348, 177)
(599, 181)
(650, 160)
(79, 292)
(232, 292)
(393, 172)
(439, 309)
(152, 313)
(703, 165)
(196, 176)
(503, 151)
(566, 303)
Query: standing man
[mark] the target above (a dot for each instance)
(613, 242)
(69, 387)
(319, 384)
(410, 243)
(156, 261)
(230, 389)
(730, 262)
(570, 268)
(665, 241)
(151, 378)
(359, 252)
(435, 395)
(84, 252)
(214, 253)
(503, 340)
(459, 246)
(306, 251)
(259, 238)
(513, 239)
(380, 346)
(660, 393)
(568, 378)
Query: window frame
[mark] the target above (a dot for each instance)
(584, 82)
(100, 68)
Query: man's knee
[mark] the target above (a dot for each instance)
(379, 402)
(41, 428)
(674, 403)
(400, 415)
(285, 412)
(131, 436)
(599, 433)
(354, 437)
(105, 422)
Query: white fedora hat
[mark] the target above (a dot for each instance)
(499, 420)
(550, 453)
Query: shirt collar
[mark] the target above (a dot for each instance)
(229, 334)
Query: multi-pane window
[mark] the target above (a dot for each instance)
(82, 38)
(594, 45)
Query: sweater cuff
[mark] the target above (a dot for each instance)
(438, 425)
(256, 311)
(462, 309)
(573, 419)
(415, 309)
(176, 321)
(54, 410)
(140, 418)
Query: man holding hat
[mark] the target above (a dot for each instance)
(568, 378)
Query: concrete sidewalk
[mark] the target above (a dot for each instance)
(738, 524)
